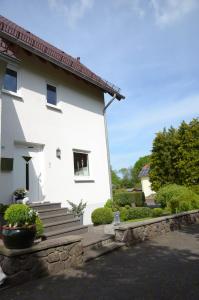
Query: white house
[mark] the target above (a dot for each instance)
(145, 181)
(53, 130)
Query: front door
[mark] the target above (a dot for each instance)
(28, 171)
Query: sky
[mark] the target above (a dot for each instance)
(148, 48)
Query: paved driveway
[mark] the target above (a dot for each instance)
(165, 268)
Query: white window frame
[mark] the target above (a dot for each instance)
(49, 105)
(17, 94)
(82, 178)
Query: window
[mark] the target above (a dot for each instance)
(10, 80)
(81, 166)
(51, 94)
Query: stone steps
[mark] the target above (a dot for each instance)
(46, 219)
(76, 230)
(54, 226)
(98, 244)
(97, 252)
(45, 205)
(53, 211)
(57, 221)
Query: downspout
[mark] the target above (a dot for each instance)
(2, 71)
(107, 143)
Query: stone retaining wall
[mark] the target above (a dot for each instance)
(132, 233)
(46, 258)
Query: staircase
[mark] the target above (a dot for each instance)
(57, 221)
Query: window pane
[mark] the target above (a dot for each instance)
(81, 167)
(51, 94)
(10, 80)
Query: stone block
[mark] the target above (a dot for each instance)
(63, 255)
(56, 267)
(53, 257)
(11, 265)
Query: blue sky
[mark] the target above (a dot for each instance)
(149, 48)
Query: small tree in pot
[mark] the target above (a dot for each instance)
(78, 209)
(20, 230)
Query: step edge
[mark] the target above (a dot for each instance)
(105, 249)
(98, 240)
(60, 222)
(51, 209)
(65, 230)
(58, 215)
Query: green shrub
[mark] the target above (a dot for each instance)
(157, 212)
(195, 188)
(128, 198)
(102, 215)
(109, 204)
(20, 215)
(139, 212)
(39, 227)
(177, 198)
(124, 214)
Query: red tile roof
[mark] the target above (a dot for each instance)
(31, 42)
(6, 49)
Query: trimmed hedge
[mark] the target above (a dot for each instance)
(139, 212)
(102, 215)
(157, 212)
(128, 198)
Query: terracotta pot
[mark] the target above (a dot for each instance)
(18, 238)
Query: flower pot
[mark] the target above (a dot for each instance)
(2, 222)
(18, 238)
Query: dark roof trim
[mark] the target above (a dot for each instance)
(39, 47)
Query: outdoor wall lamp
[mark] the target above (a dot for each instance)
(58, 153)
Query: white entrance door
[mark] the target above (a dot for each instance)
(28, 171)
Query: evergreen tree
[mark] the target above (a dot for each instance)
(139, 164)
(175, 156)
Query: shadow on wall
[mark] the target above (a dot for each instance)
(166, 268)
(12, 131)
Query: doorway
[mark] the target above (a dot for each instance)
(29, 171)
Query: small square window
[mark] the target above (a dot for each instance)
(81, 165)
(10, 80)
(51, 94)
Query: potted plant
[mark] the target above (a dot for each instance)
(20, 194)
(20, 230)
(3, 208)
(78, 209)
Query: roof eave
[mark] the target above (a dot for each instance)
(61, 65)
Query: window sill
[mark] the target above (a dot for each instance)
(82, 179)
(53, 107)
(17, 96)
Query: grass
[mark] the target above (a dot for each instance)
(138, 220)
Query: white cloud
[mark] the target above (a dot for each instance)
(133, 5)
(72, 10)
(169, 11)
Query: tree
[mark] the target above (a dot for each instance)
(126, 180)
(175, 156)
(139, 164)
(116, 181)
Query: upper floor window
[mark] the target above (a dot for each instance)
(51, 94)
(10, 80)
(81, 164)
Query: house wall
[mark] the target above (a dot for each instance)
(146, 186)
(79, 124)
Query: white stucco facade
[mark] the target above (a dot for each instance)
(146, 186)
(30, 127)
